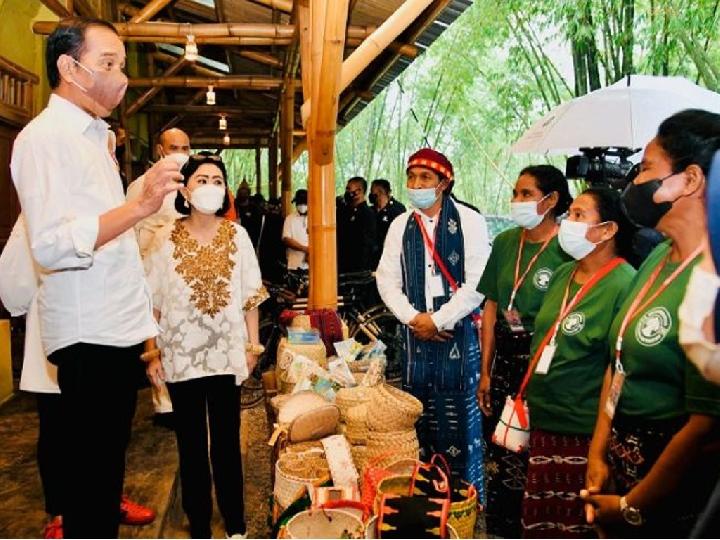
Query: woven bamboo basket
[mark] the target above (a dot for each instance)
(463, 511)
(351, 397)
(392, 409)
(359, 455)
(325, 523)
(398, 444)
(301, 447)
(294, 471)
(371, 530)
(356, 429)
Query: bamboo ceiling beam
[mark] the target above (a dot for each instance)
(261, 58)
(238, 142)
(138, 104)
(205, 131)
(151, 9)
(286, 6)
(208, 110)
(197, 68)
(84, 8)
(182, 30)
(174, 121)
(232, 81)
(57, 8)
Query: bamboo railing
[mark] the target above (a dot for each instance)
(16, 92)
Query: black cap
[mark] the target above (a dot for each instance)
(300, 196)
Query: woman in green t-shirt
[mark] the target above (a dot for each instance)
(564, 390)
(515, 279)
(654, 455)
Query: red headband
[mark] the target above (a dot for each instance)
(433, 160)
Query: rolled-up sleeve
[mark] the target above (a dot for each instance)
(61, 236)
(477, 252)
(389, 274)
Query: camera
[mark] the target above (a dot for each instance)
(601, 166)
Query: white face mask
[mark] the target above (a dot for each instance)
(698, 305)
(207, 199)
(525, 214)
(302, 209)
(573, 239)
(178, 157)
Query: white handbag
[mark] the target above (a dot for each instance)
(513, 428)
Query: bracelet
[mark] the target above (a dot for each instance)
(254, 348)
(149, 356)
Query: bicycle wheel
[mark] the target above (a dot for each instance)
(379, 323)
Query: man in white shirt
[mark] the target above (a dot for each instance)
(94, 308)
(295, 233)
(171, 141)
(431, 264)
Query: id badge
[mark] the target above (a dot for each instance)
(513, 319)
(436, 285)
(614, 395)
(543, 365)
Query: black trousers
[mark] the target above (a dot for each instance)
(98, 386)
(49, 451)
(214, 403)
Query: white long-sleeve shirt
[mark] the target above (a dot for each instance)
(65, 179)
(462, 302)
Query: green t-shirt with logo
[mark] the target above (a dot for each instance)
(660, 382)
(565, 399)
(499, 275)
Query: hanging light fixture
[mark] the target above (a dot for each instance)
(226, 139)
(210, 96)
(222, 125)
(191, 49)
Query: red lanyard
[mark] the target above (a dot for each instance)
(564, 311)
(438, 260)
(518, 278)
(636, 306)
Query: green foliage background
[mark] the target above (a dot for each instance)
(499, 67)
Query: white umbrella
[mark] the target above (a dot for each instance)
(625, 114)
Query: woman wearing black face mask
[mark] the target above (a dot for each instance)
(656, 436)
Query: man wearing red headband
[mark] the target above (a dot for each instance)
(433, 258)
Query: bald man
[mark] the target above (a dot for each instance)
(171, 141)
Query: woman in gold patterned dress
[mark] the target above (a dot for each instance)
(206, 288)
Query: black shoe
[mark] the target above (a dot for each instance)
(165, 420)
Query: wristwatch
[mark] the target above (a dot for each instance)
(631, 514)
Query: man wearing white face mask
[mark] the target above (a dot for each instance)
(432, 261)
(93, 303)
(295, 233)
(175, 143)
(172, 142)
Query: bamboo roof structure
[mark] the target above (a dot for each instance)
(247, 48)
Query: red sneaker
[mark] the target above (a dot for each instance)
(133, 513)
(54, 528)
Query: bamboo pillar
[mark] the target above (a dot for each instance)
(287, 119)
(328, 20)
(258, 170)
(273, 167)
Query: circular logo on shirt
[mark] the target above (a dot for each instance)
(541, 279)
(573, 323)
(653, 326)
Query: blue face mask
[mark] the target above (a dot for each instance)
(422, 198)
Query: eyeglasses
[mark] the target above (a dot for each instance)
(206, 157)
